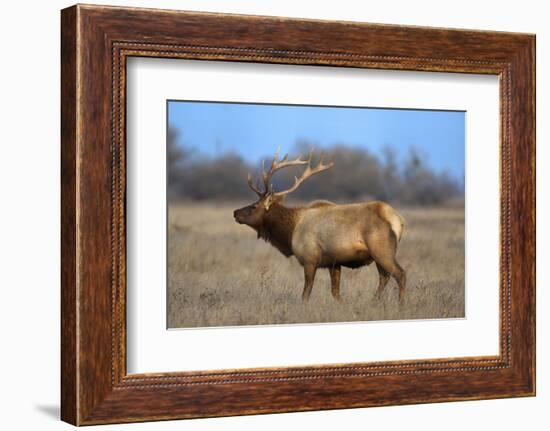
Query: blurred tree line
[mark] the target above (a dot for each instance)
(357, 175)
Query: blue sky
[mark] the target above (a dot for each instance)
(255, 130)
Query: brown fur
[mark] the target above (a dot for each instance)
(278, 227)
(320, 203)
(326, 235)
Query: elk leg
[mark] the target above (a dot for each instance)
(383, 253)
(309, 275)
(383, 279)
(391, 266)
(401, 278)
(335, 281)
(401, 281)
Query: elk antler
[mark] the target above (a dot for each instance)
(254, 188)
(306, 174)
(277, 164)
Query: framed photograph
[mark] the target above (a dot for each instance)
(264, 214)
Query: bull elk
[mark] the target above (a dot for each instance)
(323, 234)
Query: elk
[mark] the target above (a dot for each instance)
(323, 234)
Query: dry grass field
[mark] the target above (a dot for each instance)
(220, 274)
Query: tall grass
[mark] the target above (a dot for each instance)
(220, 274)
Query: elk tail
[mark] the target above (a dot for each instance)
(397, 224)
(394, 219)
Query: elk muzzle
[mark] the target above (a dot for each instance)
(251, 215)
(241, 215)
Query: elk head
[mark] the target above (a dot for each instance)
(253, 214)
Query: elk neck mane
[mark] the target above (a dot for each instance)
(278, 227)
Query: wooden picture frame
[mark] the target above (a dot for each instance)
(95, 43)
